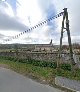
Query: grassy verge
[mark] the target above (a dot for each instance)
(42, 74)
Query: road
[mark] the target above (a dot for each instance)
(11, 81)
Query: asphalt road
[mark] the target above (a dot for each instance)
(13, 82)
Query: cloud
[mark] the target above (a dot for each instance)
(29, 12)
(36, 14)
(37, 11)
(14, 4)
(2, 36)
(8, 22)
(74, 19)
(48, 11)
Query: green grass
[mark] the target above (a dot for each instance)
(42, 73)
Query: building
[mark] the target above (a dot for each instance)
(44, 47)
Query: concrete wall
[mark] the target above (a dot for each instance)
(67, 83)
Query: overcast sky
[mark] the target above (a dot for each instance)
(17, 16)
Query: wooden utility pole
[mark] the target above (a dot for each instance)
(65, 18)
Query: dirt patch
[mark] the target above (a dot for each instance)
(4, 66)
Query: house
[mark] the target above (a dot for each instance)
(44, 47)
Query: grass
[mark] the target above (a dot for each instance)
(46, 73)
(40, 73)
(23, 68)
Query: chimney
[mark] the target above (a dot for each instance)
(51, 42)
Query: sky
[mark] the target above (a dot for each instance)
(17, 16)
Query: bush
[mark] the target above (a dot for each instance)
(33, 62)
(20, 60)
(15, 59)
(52, 64)
(66, 67)
(43, 64)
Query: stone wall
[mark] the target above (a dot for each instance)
(45, 56)
(40, 56)
(32, 55)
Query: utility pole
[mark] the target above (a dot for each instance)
(65, 18)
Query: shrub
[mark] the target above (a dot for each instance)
(32, 61)
(15, 59)
(66, 67)
(52, 64)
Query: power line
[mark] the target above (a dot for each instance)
(36, 26)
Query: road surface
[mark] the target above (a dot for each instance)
(13, 82)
